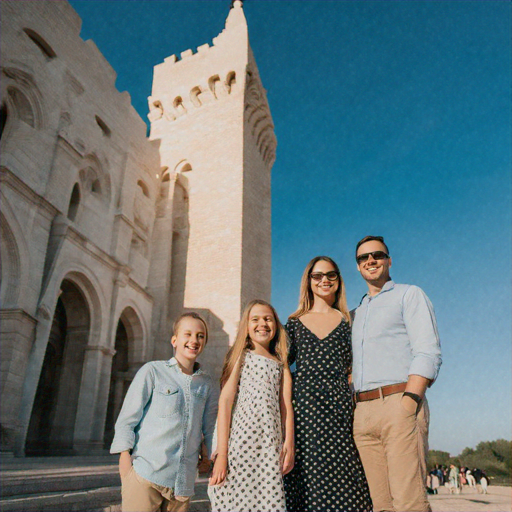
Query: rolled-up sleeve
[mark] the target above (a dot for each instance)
(210, 418)
(421, 326)
(136, 399)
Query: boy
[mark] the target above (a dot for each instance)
(169, 406)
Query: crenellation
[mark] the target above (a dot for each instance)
(186, 54)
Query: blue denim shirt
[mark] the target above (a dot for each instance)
(394, 335)
(164, 415)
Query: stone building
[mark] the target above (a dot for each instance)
(106, 235)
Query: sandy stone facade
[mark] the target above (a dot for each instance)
(107, 235)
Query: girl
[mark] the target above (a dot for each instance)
(328, 474)
(251, 455)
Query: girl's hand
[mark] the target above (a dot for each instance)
(125, 463)
(220, 469)
(287, 458)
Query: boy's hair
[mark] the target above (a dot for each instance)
(190, 314)
(278, 345)
(369, 239)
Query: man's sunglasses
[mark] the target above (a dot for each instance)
(318, 276)
(376, 255)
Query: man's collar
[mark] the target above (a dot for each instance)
(388, 285)
(197, 367)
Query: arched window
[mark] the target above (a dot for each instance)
(178, 105)
(230, 80)
(45, 48)
(143, 187)
(22, 106)
(96, 186)
(74, 202)
(3, 118)
(104, 128)
(213, 84)
(194, 96)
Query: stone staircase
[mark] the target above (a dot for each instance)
(71, 484)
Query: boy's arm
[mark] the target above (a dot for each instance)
(285, 399)
(136, 399)
(226, 401)
(209, 418)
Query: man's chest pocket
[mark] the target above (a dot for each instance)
(167, 400)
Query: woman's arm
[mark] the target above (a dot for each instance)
(226, 400)
(288, 451)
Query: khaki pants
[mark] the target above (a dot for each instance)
(393, 445)
(141, 495)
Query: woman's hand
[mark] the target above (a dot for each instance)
(220, 469)
(287, 457)
(125, 463)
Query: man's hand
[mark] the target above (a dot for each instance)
(125, 463)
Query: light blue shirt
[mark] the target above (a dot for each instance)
(164, 416)
(394, 335)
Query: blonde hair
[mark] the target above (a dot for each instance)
(195, 316)
(306, 298)
(278, 345)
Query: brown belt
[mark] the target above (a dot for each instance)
(373, 394)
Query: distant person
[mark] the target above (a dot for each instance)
(168, 408)
(484, 482)
(328, 474)
(434, 481)
(255, 445)
(471, 479)
(453, 478)
(397, 355)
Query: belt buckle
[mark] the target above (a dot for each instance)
(356, 397)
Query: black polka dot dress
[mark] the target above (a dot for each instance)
(328, 474)
(254, 482)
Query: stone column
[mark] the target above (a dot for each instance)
(93, 401)
(17, 331)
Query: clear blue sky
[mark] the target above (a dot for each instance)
(392, 118)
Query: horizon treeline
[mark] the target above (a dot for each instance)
(493, 457)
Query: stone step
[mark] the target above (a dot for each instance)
(37, 481)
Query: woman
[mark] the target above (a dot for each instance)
(328, 474)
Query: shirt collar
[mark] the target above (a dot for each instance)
(388, 285)
(197, 367)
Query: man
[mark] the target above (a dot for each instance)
(397, 356)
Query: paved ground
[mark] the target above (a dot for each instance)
(499, 499)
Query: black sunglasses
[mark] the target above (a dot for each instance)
(318, 276)
(376, 255)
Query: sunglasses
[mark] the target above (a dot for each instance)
(318, 276)
(376, 255)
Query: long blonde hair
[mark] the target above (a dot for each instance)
(278, 345)
(306, 298)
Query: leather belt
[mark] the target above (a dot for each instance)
(373, 394)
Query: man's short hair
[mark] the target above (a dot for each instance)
(369, 239)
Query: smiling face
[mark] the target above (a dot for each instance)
(324, 287)
(374, 271)
(189, 340)
(262, 325)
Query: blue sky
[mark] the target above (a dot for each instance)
(392, 118)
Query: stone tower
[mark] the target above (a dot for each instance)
(211, 243)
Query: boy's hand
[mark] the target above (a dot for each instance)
(125, 463)
(220, 469)
(287, 457)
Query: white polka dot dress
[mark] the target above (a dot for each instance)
(254, 482)
(328, 475)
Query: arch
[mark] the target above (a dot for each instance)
(45, 48)
(103, 126)
(214, 84)
(183, 166)
(74, 203)
(4, 114)
(22, 106)
(230, 81)
(178, 106)
(94, 178)
(14, 254)
(129, 346)
(194, 96)
(52, 422)
(143, 187)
